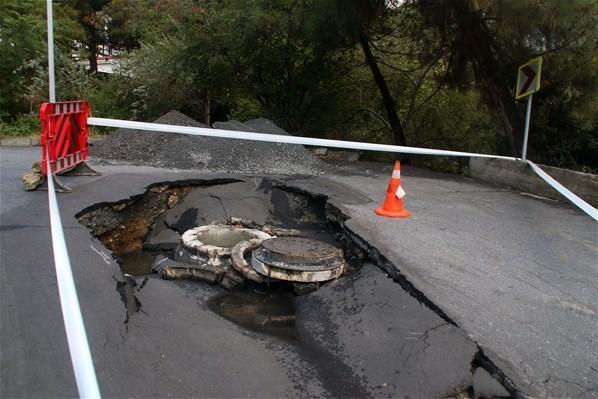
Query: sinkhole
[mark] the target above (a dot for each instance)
(262, 241)
(244, 238)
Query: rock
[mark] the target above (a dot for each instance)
(170, 269)
(485, 386)
(34, 178)
(342, 156)
(320, 151)
(232, 279)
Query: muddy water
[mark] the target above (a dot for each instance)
(271, 313)
(137, 263)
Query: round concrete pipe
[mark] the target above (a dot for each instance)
(298, 259)
(240, 263)
(213, 244)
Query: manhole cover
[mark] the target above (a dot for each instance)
(298, 259)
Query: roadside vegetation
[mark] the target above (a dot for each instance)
(427, 73)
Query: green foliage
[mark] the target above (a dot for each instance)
(23, 125)
(255, 54)
(450, 67)
(21, 27)
(23, 73)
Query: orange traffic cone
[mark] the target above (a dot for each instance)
(393, 205)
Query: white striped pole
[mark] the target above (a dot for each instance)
(353, 145)
(81, 360)
(279, 138)
(51, 81)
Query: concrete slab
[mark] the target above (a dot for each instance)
(16, 142)
(522, 177)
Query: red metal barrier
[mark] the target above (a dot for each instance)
(64, 134)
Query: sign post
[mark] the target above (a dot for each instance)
(528, 82)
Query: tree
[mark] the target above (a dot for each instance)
(224, 54)
(491, 38)
(23, 71)
(94, 23)
(346, 23)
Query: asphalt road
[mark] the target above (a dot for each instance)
(514, 276)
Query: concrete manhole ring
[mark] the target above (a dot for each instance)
(240, 263)
(213, 244)
(298, 259)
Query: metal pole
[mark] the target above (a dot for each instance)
(51, 82)
(526, 132)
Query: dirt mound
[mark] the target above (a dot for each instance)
(207, 153)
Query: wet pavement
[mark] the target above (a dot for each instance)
(444, 298)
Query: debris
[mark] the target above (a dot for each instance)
(280, 232)
(232, 279)
(170, 269)
(208, 153)
(267, 228)
(320, 151)
(34, 178)
(340, 155)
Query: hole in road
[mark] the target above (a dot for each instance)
(137, 263)
(145, 232)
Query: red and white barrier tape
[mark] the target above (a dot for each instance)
(575, 200)
(352, 145)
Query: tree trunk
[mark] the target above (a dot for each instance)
(93, 43)
(387, 99)
(93, 57)
(207, 109)
(488, 72)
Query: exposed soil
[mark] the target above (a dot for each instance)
(124, 225)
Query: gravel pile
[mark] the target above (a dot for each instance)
(206, 153)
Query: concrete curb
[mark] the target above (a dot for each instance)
(519, 175)
(33, 141)
(20, 141)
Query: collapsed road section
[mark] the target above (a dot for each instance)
(284, 265)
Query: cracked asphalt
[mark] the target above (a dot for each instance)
(513, 277)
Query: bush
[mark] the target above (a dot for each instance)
(23, 125)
